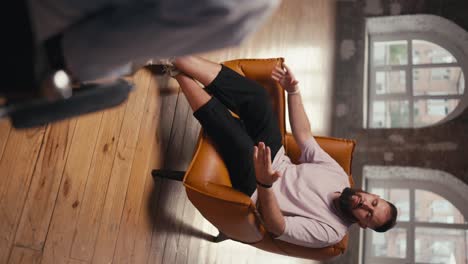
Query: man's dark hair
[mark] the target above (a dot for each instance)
(390, 222)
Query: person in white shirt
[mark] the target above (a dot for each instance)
(309, 204)
(100, 38)
(57, 47)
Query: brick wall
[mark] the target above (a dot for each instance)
(443, 147)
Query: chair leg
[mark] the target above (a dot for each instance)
(168, 174)
(220, 238)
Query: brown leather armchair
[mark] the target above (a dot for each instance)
(209, 188)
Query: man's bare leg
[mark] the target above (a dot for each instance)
(200, 69)
(195, 95)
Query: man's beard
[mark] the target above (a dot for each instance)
(345, 203)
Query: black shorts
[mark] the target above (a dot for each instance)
(235, 138)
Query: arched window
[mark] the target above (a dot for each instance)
(415, 77)
(432, 226)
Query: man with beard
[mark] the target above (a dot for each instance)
(309, 204)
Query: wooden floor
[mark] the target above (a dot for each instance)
(80, 191)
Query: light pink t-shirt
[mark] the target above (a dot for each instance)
(304, 194)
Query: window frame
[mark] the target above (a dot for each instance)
(408, 69)
(412, 183)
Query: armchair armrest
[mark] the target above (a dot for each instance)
(238, 218)
(221, 192)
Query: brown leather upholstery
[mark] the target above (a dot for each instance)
(209, 188)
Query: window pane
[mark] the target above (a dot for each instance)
(387, 82)
(387, 114)
(389, 244)
(461, 84)
(433, 208)
(390, 52)
(425, 52)
(439, 245)
(399, 197)
(438, 81)
(430, 111)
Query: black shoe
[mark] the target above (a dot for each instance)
(35, 84)
(88, 98)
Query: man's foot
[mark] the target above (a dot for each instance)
(163, 67)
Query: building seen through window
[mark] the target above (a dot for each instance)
(412, 83)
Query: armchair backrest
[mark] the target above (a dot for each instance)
(340, 149)
(209, 188)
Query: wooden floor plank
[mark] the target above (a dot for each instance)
(186, 229)
(18, 149)
(117, 189)
(168, 109)
(160, 216)
(74, 261)
(143, 163)
(186, 129)
(88, 221)
(37, 213)
(146, 221)
(167, 115)
(20, 255)
(175, 159)
(62, 228)
(183, 140)
(152, 189)
(200, 236)
(16, 167)
(172, 198)
(5, 128)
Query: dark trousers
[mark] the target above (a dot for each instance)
(235, 138)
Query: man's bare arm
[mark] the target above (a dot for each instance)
(269, 209)
(265, 176)
(297, 117)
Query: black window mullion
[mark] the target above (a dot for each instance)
(436, 65)
(441, 225)
(389, 97)
(390, 67)
(442, 96)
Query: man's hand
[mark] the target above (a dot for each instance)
(269, 208)
(285, 77)
(262, 164)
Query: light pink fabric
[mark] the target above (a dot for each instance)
(304, 194)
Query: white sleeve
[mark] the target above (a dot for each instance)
(311, 152)
(308, 232)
